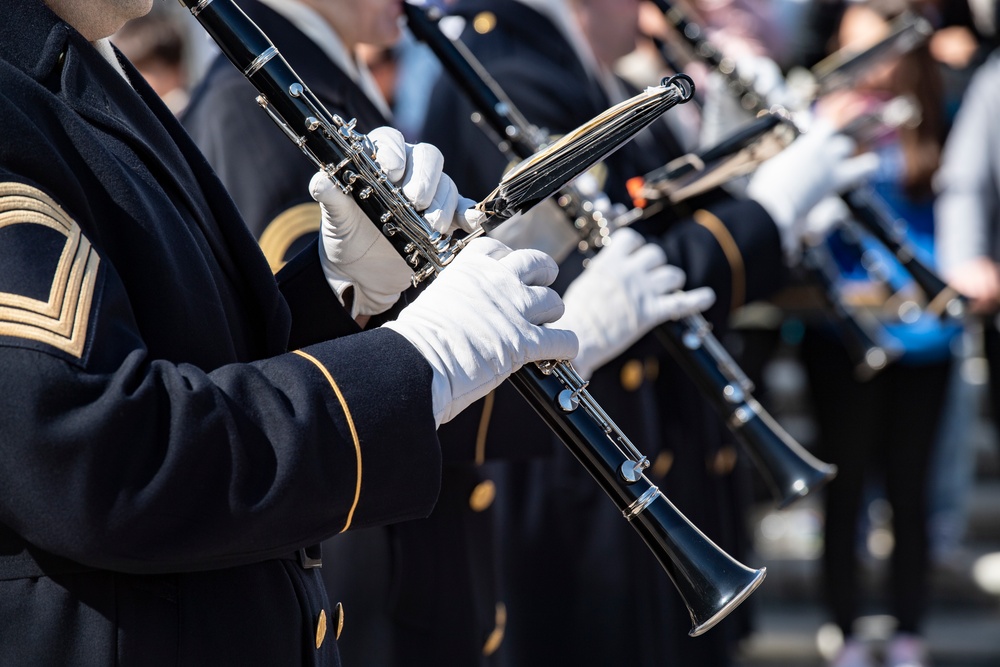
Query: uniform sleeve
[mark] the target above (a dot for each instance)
(121, 459)
(731, 246)
(221, 120)
(968, 197)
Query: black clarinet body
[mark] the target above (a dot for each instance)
(788, 469)
(870, 348)
(875, 217)
(710, 581)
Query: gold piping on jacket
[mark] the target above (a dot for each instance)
(732, 252)
(350, 424)
(484, 428)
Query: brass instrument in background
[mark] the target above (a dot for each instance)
(789, 471)
(711, 582)
(870, 212)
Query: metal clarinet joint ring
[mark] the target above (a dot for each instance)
(682, 83)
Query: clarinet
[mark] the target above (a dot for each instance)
(788, 469)
(709, 580)
(875, 216)
(868, 345)
(907, 32)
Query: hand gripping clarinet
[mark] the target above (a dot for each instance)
(906, 33)
(788, 469)
(710, 581)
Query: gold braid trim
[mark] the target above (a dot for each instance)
(350, 424)
(484, 427)
(285, 229)
(732, 252)
(61, 320)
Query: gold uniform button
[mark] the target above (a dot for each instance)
(724, 461)
(495, 638)
(483, 495)
(338, 619)
(484, 22)
(652, 368)
(664, 461)
(321, 628)
(632, 375)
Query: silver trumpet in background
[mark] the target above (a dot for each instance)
(710, 581)
(789, 471)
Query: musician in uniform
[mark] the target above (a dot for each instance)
(392, 579)
(581, 587)
(389, 579)
(181, 428)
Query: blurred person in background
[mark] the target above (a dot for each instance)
(156, 45)
(581, 589)
(883, 429)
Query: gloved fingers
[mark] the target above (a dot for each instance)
(423, 175)
(648, 257)
(485, 246)
(467, 216)
(390, 151)
(551, 343)
(538, 305)
(852, 171)
(532, 267)
(839, 147)
(825, 216)
(441, 211)
(664, 279)
(324, 190)
(681, 304)
(622, 243)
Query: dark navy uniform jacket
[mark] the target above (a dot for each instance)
(174, 423)
(266, 174)
(581, 587)
(422, 590)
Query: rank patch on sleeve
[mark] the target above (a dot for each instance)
(48, 271)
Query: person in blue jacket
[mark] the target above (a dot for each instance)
(882, 430)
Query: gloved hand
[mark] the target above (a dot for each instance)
(826, 216)
(353, 252)
(627, 289)
(816, 164)
(480, 321)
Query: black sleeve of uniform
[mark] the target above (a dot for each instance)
(117, 459)
(731, 246)
(317, 314)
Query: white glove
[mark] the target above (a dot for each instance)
(815, 165)
(830, 213)
(627, 289)
(480, 321)
(353, 251)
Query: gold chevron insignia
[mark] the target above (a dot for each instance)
(286, 229)
(61, 320)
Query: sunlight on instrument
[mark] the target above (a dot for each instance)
(789, 471)
(711, 582)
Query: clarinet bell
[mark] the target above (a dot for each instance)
(710, 581)
(789, 471)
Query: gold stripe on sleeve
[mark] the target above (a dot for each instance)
(732, 252)
(350, 424)
(484, 427)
